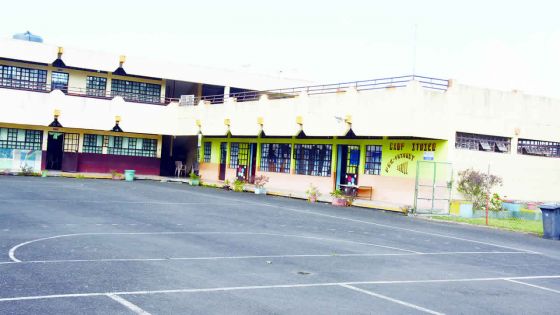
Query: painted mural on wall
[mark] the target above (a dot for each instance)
(400, 157)
(14, 160)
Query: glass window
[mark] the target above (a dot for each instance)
(313, 159)
(71, 142)
(96, 86)
(23, 78)
(11, 138)
(59, 81)
(538, 147)
(136, 91)
(373, 159)
(132, 146)
(93, 144)
(239, 155)
(477, 142)
(276, 157)
(207, 151)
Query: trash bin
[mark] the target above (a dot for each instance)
(551, 220)
(129, 175)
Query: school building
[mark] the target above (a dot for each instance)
(401, 140)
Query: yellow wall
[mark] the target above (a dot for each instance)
(399, 157)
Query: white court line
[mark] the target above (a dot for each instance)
(384, 297)
(534, 286)
(12, 251)
(279, 286)
(255, 257)
(118, 202)
(364, 222)
(128, 304)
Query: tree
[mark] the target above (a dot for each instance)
(476, 186)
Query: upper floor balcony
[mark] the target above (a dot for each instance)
(139, 93)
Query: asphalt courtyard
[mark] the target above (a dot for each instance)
(79, 246)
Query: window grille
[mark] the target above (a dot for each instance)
(23, 78)
(71, 142)
(373, 159)
(131, 146)
(207, 152)
(276, 157)
(477, 142)
(93, 144)
(59, 81)
(136, 91)
(11, 138)
(538, 147)
(313, 159)
(96, 86)
(239, 155)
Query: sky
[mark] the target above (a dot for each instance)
(497, 44)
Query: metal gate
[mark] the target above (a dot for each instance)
(434, 182)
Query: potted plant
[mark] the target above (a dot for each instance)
(339, 199)
(312, 193)
(116, 175)
(195, 179)
(238, 185)
(260, 181)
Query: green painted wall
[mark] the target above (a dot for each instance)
(398, 158)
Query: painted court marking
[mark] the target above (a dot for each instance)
(533, 285)
(362, 221)
(306, 285)
(384, 297)
(257, 257)
(128, 304)
(12, 251)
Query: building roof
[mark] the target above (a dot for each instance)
(94, 60)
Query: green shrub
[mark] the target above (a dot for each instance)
(476, 186)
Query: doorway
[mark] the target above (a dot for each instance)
(223, 159)
(348, 165)
(55, 145)
(246, 154)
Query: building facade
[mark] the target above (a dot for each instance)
(401, 140)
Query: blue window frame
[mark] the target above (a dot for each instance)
(373, 159)
(313, 159)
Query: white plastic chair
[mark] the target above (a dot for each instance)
(180, 168)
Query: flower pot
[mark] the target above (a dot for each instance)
(260, 191)
(312, 198)
(339, 202)
(195, 182)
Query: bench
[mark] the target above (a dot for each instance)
(364, 192)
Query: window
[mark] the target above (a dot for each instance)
(136, 91)
(313, 159)
(93, 144)
(96, 86)
(537, 147)
(239, 155)
(476, 142)
(11, 138)
(276, 157)
(373, 159)
(59, 81)
(131, 146)
(71, 142)
(23, 78)
(207, 151)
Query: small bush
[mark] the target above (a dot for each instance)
(261, 180)
(238, 185)
(476, 186)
